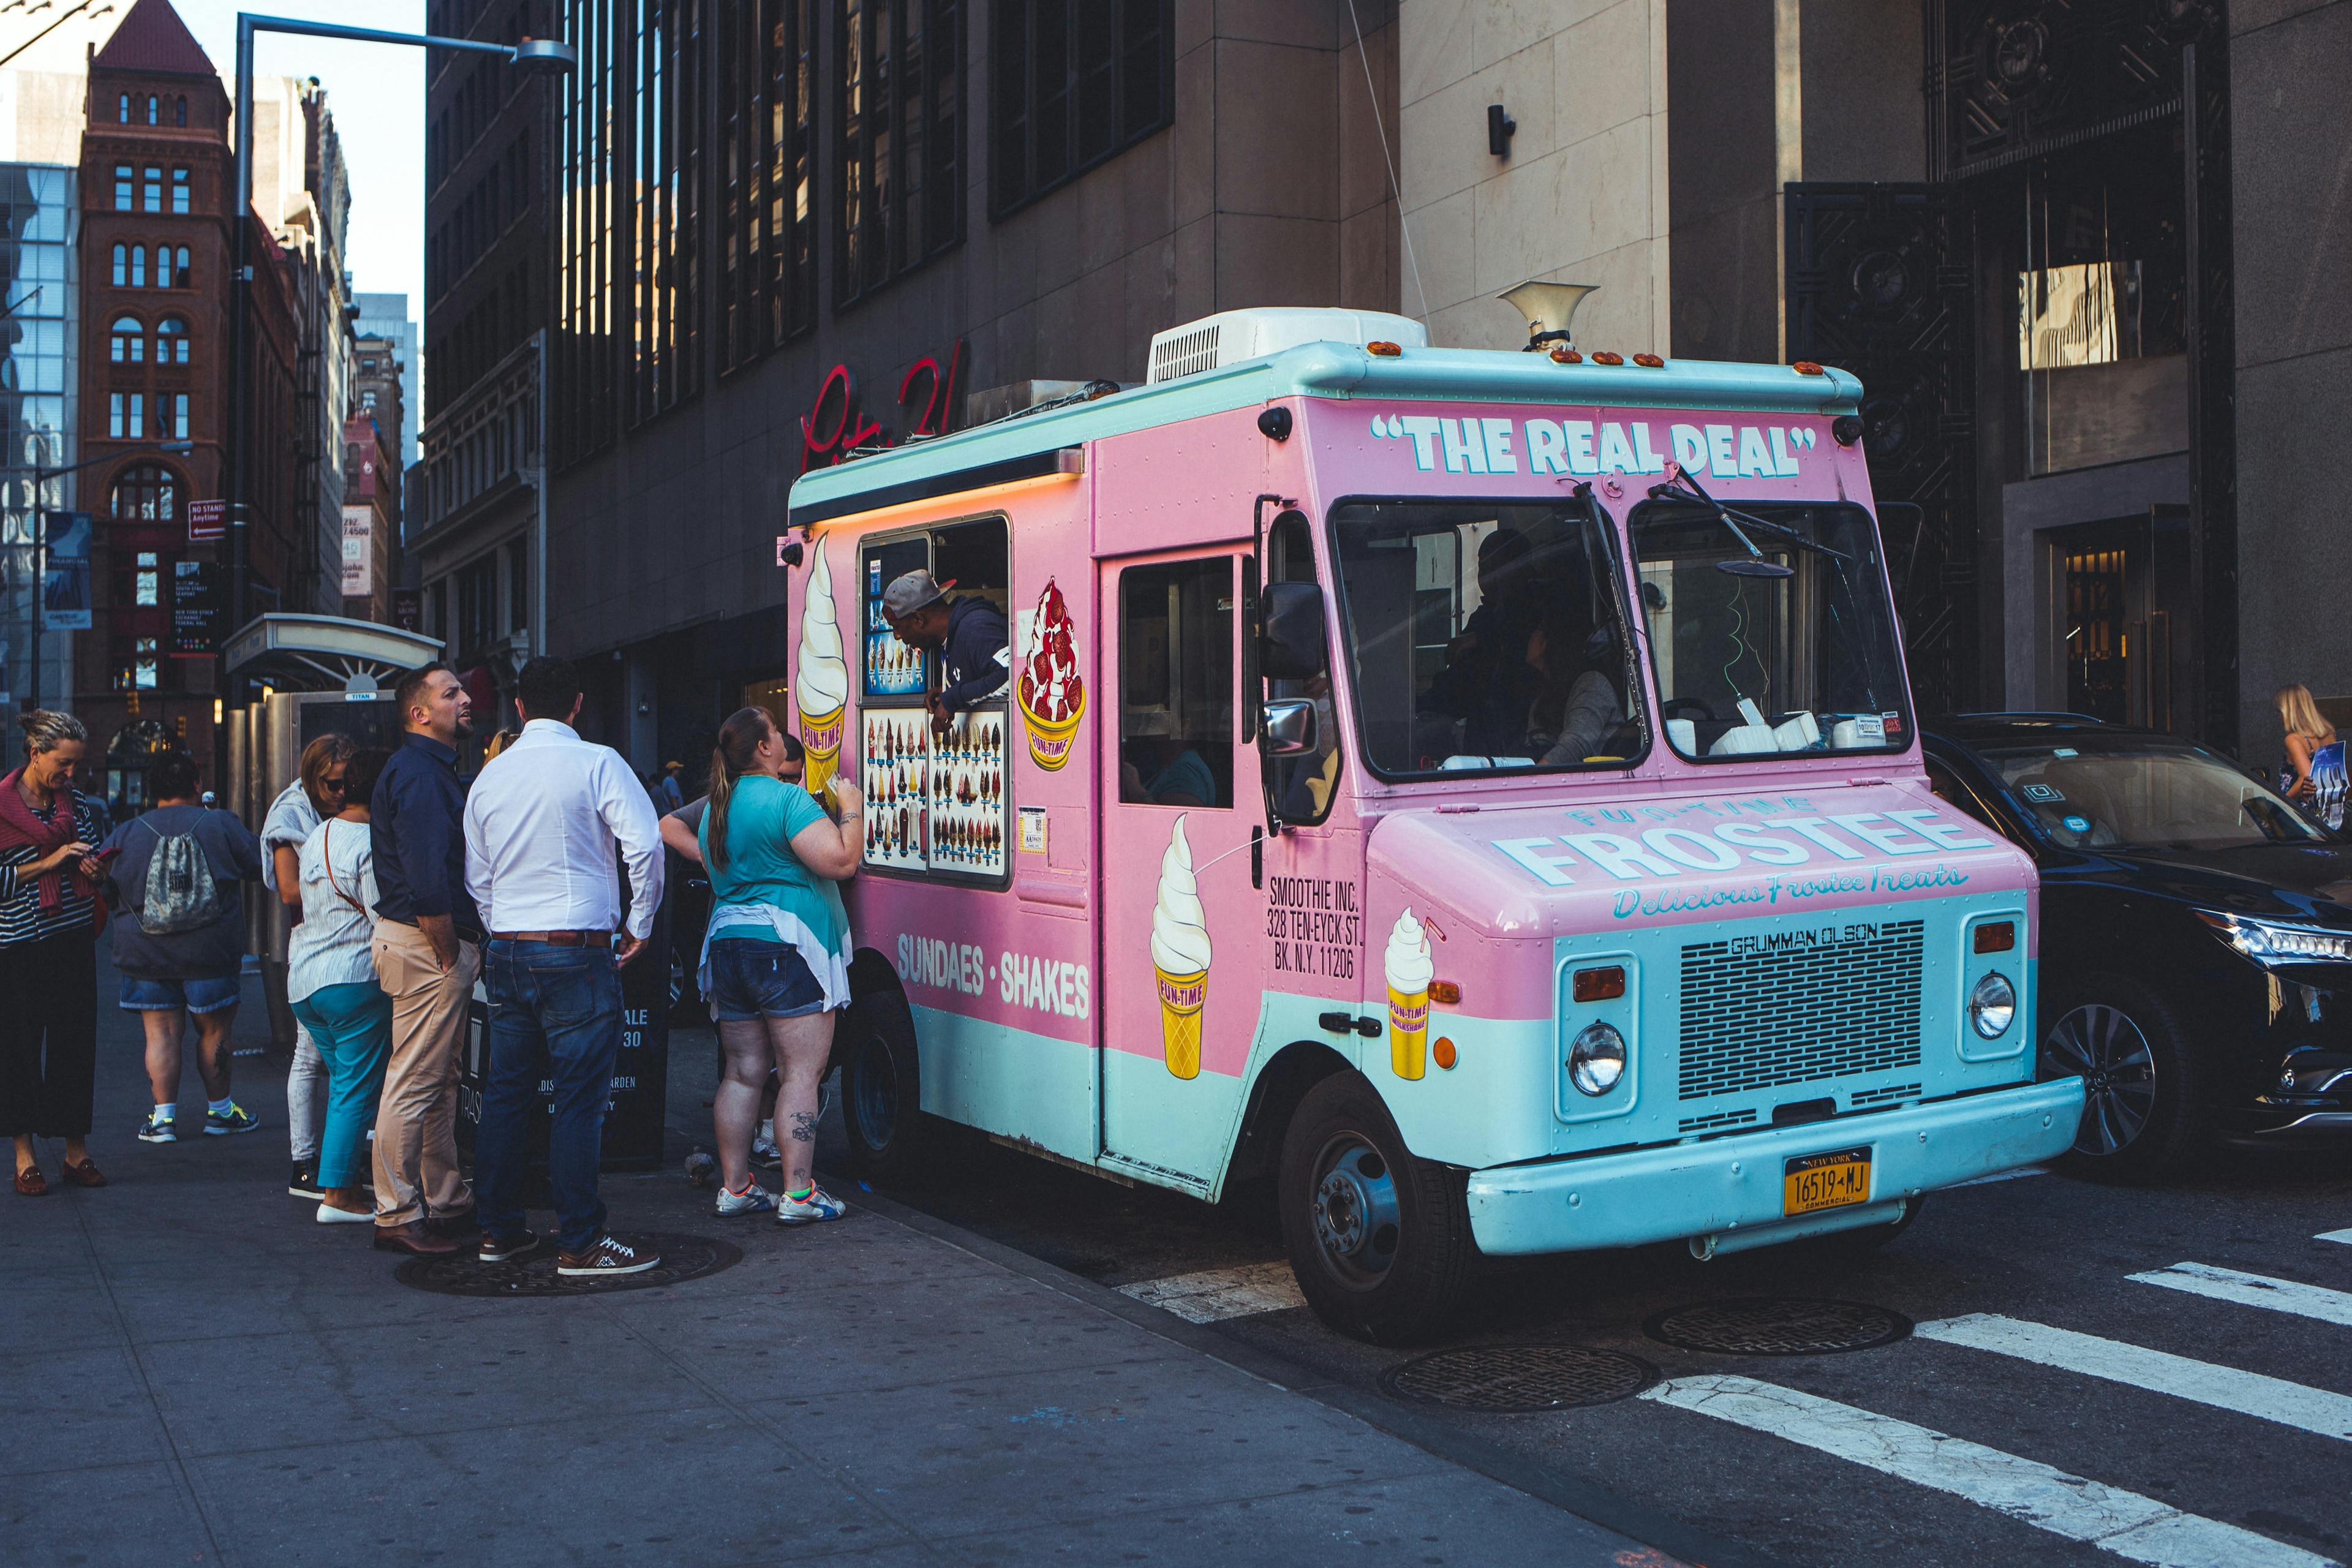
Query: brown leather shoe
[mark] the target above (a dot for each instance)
(413, 1238)
(85, 1174)
(31, 1184)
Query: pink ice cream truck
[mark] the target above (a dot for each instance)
(1477, 791)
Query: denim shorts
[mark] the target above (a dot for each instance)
(209, 994)
(760, 979)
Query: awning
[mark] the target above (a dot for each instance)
(324, 653)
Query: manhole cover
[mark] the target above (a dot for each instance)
(682, 1257)
(1777, 1325)
(1504, 1378)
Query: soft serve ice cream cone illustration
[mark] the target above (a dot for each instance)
(821, 685)
(1410, 971)
(1180, 955)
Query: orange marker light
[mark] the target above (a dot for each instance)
(1383, 348)
(1446, 991)
(1566, 356)
(1441, 1051)
(1649, 362)
(1605, 357)
(1807, 367)
(1996, 936)
(1599, 984)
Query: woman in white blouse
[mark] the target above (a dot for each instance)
(330, 981)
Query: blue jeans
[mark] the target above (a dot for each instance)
(555, 1010)
(352, 1026)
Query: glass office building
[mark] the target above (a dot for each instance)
(39, 329)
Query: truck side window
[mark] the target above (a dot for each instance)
(1303, 787)
(1176, 683)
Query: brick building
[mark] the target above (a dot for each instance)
(156, 247)
(371, 514)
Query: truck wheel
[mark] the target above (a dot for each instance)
(2141, 1113)
(1380, 1241)
(881, 1087)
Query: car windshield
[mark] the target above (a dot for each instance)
(2155, 794)
(1484, 637)
(1771, 632)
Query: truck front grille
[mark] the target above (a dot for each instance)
(1800, 1006)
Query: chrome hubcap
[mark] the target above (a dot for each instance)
(2104, 1048)
(1357, 1216)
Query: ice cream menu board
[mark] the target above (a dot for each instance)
(935, 802)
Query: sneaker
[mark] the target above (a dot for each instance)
(818, 1205)
(754, 1199)
(764, 1152)
(304, 1182)
(521, 1245)
(605, 1256)
(235, 1119)
(157, 1131)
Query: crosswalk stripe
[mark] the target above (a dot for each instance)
(2131, 1526)
(2254, 1290)
(2224, 1388)
(1216, 1294)
(2342, 1235)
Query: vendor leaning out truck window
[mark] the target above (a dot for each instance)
(969, 628)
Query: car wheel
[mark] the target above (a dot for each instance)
(881, 1085)
(1380, 1241)
(2140, 1108)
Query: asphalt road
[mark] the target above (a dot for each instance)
(2096, 1375)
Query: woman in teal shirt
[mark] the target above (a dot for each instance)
(775, 955)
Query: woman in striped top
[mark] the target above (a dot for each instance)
(50, 918)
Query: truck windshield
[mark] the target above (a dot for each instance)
(1484, 637)
(1770, 639)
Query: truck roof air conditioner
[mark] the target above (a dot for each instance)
(1231, 337)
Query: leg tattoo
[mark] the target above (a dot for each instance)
(804, 1126)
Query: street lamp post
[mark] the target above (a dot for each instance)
(42, 474)
(545, 56)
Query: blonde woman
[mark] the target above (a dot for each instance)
(2314, 775)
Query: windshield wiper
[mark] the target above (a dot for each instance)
(1681, 487)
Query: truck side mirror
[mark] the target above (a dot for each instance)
(1289, 724)
(1294, 645)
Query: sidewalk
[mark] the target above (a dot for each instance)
(199, 1372)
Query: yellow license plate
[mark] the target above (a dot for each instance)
(1825, 1181)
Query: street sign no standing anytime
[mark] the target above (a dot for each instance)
(208, 521)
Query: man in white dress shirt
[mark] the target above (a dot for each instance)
(548, 822)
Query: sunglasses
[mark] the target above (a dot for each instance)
(334, 784)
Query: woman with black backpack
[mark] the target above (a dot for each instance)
(179, 940)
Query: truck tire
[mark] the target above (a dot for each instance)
(2142, 1107)
(881, 1085)
(1380, 1241)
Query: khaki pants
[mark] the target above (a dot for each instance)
(416, 1121)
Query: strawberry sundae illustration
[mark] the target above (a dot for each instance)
(1052, 695)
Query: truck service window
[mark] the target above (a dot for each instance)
(1176, 683)
(1770, 629)
(1484, 637)
(937, 804)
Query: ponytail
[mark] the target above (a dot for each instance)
(731, 759)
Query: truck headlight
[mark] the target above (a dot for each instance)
(2269, 942)
(1991, 1005)
(1596, 1060)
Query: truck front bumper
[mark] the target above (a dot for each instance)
(1731, 1187)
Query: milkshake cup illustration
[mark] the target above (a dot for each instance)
(821, 686)
(1180, 955)
(1052, 694)
(1408, 971)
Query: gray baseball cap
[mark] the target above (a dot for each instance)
(910, 592)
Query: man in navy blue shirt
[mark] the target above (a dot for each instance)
(427, 951)
(968, 633)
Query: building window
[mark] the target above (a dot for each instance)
(129, 340)
(171, 416)
(179, 190)
(172, 341)
(1071, 86)
(122, 171)
(123, 109)
(138, 266)
(180, 111)
(149, 594)
(767, 89)
(153, 188)
(901, 76)
(125, 416)
(518, 586)
(150, 109)
(668, 122)
(147, 492)
(586, 372)
(478, 606)
(121, 266)
(144, 667)
(178, 278)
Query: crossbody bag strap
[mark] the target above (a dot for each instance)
(327, 856)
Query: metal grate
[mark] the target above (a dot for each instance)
(1187, 355)
(1800, 1006)
(460, 1274)
(1777, 1325)
(1518, 1379)
(1714, 1121)
(1891, 1092)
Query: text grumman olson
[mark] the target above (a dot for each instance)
(1477, 789)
